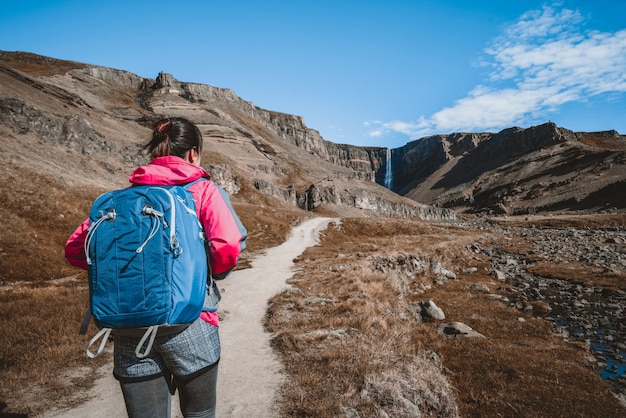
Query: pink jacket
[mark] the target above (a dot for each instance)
(225, 233)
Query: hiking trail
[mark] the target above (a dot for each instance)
(250, 374)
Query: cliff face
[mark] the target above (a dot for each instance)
(542, 168)
(98, 113)
(471, 153)
(86, 121)
(365, 161)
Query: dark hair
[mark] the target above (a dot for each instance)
(174, 136)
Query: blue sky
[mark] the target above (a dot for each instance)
(375, 73)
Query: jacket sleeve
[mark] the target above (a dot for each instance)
(224, 231)
(75, 246)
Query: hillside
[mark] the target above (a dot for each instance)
(89, 111)
(73, 112)
(70, 131)
(517, 171)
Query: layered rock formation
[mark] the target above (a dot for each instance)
(98, 113)
(543, 168)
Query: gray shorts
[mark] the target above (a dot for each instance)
(184, 354)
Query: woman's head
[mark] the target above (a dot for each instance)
(174, 136)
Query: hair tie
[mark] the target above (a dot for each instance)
(163, 127)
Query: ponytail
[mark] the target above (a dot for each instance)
(174, 136)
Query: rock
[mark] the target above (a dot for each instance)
(438, 269)
(589, 314)
(352, 413)
(498, 297)
(457, 330)
(431, 311)
(434, 358)
(478, 286)
(499, 275)
(411, 409)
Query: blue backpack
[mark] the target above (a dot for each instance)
(148, 267)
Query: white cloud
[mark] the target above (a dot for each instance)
(539, 63)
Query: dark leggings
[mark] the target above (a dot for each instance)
(152, 399)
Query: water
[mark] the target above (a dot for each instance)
(605, 350)
(388, 171)
(613, 358)
(613, 370)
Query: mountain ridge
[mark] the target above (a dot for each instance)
(517, 171)
(99, 111)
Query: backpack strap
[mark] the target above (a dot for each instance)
(85, 323)
(149, 335)
(191, 183)
(110, 215)
(213, 292)
(104, 334)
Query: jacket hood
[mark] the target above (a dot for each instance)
(167, 171)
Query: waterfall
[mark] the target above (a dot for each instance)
(388, 172)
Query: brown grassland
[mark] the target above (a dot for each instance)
(346, 331)
(43, 298)
(349, 338)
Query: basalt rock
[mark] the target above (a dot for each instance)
(103, 115)
(101, 111)
(515, 171)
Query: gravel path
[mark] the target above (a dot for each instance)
(250, 374)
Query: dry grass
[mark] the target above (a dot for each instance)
(606, 221)
(38, 65)
(603, 140)
(352, 343)
(579, 273)
(40, 345)
(33, 225)
(42, 356)
(347, 330)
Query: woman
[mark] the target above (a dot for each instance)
(190, 356)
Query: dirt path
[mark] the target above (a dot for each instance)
(249, 374)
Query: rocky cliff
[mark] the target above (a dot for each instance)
(542, 168)
(100, 112)
(86, 121)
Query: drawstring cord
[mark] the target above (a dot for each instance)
(110, 215)
(154, 225)
(104, 334)
(149, 336)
